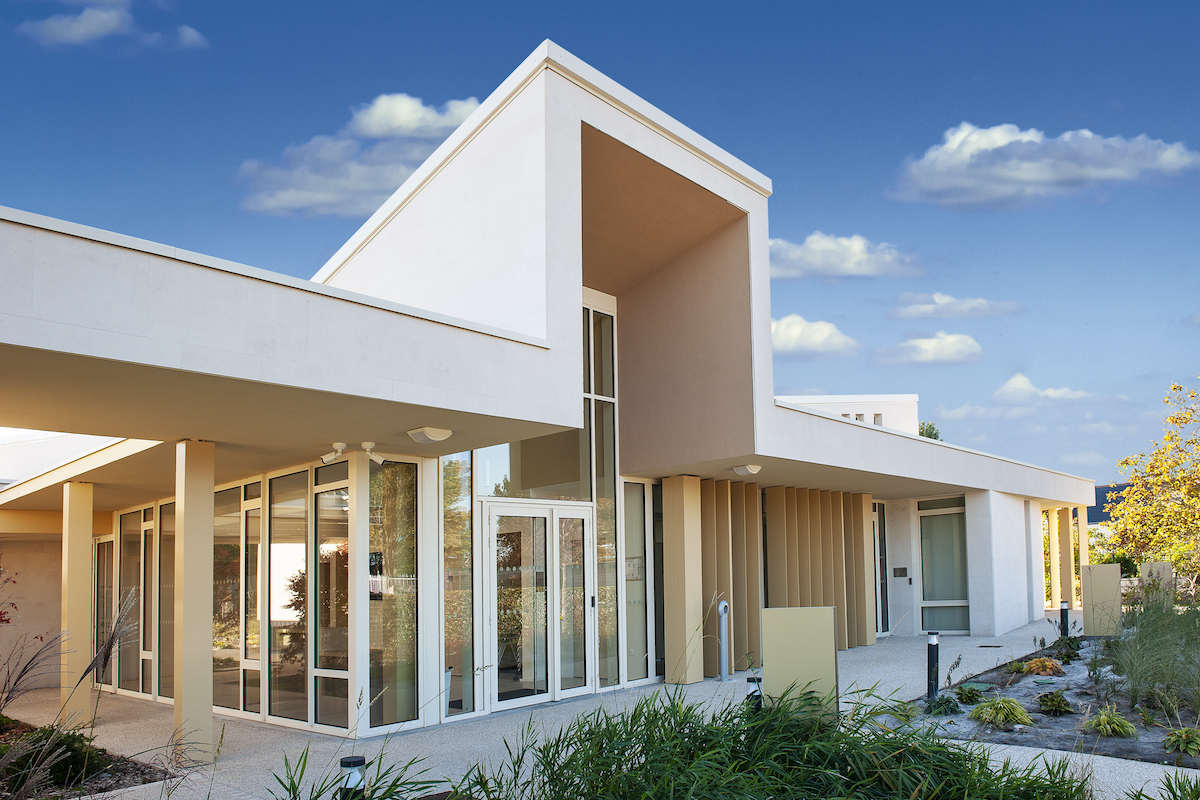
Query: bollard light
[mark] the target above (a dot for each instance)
(931, 694)
(1062, 618)
(723, 637)
(354, 778)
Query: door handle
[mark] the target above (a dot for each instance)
(593, 601)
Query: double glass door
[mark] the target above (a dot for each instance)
(541, 603)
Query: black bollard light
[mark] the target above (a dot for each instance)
(353, 778)
(1063, 622)
(931, 695)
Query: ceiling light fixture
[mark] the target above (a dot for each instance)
(747, 469)
(329, 458)
(429, 435)
(369, 447)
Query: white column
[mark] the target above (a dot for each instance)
(193, 596)
(76, 601)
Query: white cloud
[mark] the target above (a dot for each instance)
(796, 336)
(1019, 390)
(982, 412)
(191, 39)
(941, 348)
(1193, 321)
(943, 306)
(827, 256)
(1087, 459)
(1004, 166)
(89, 25)
(352, 172)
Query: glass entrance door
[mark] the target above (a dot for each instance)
(541, 614)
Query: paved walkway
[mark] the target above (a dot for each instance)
(251, 751)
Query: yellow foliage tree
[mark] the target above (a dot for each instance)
(1157, 517)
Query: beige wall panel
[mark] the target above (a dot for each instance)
(1055, 572)
(1066, 558)
(708, 551)
(37, 565)
(683, 594)
(1081, 525)
(724, 567)
(800, 556)
(793, 551)
(849, 571)
(865, 579)
(816, 561)
(777, 554)
(76, 613)
(738, 615)
(1101, 588)
(754, 574)
(827, 593)
(1161, 571)
(800, 651)
(837, 563)
(193, 594)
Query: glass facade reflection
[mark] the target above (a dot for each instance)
(392, 582)
(459, 584)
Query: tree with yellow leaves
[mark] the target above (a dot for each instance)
(1157, 517)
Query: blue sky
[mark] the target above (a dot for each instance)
(1036, 285)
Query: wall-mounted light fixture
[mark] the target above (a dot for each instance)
(747, 469)
(329, 458)
(429, 435)
(369, 447)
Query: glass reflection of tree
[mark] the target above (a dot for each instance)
(294, 636)
(458, 567)
(606, 588)
(226, 605)
(394, 598)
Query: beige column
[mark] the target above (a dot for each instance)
(754, 574)
(193, 596)
(777, 553)
(827, 549)
(850, 572)
(738, 614)
(865, 579)
(838, 563)
(816, 562)
(708, 565)
(683, 614)
(793, 551)
(1066, 558)
(1055, 573)
(76, 602)
(724, 569)
(802, 547)
(1085, 557)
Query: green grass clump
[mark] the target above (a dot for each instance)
(968, 695)
(1000, 711)
(795, 747)
(942, 706)
(1109, 722)
(1183, 740)
(1175, 786)
(1053, 704)
(1015, 667)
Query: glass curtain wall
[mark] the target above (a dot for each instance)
(459, 580)
(166, 601)
(572, 604)
(287, 689)
(129, 659)
(607, 606)
(332, 628)
(522, 669)
(104, 603)
(392, 567)
(660, 628)
(637, 653)
(251, 648)
(227, 598)
(944, 572)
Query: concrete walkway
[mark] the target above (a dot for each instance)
(251, 751)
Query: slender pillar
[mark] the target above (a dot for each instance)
(1055, 573)
(724, 525)
(865, 579)
(777, 553)
(754, 574)
(738, 616)
(850, 572)
(793, 551)
(76, 602)
(837, 557)
(1066, 558)
(816, 561)
(802, 547)
(1085, 557)
(827, 549)
(708, 560)
(193, 595)
(683, 593)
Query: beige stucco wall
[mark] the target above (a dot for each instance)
(35, 565)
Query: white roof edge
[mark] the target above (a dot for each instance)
(102, 236)
(801, 399)
(105, 454)
(547, 55)
(924, 439)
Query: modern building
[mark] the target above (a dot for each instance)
(510, 445)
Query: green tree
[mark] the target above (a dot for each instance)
(929, 430)
(1157, 517)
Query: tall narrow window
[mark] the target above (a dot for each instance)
(392, 566)
(637, 662)
(287, 689)
(227, 598)
(166, 601)
(459, 566)
(604, 373)
(104, 602)
(332, 606)
(606, 543)
(129, 661)
(660, 628)
(253, 540)
(944, 573)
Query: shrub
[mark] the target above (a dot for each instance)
(79, 760)
(1002, 712)
(1183, 740)
(1053, 704)
(942, 706)
(1043, 666)
(1109, 722)
(968, 695)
